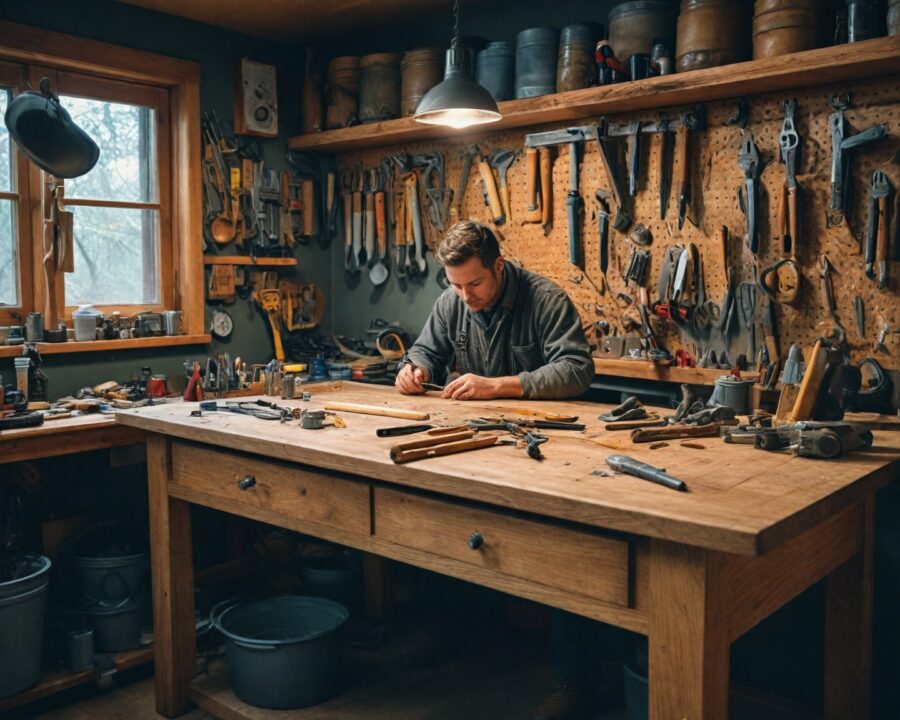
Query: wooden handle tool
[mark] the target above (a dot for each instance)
(645, 435)
(533, 211)
(404, 456)
(546, 162)
(816, 364)
(490, 190)
(377, 410)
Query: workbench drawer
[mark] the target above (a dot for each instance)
(290, 491)
(561, 557)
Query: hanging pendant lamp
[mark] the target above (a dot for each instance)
(458, 101)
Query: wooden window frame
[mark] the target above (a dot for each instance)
(44, 52)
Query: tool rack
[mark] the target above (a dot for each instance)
(870, 69)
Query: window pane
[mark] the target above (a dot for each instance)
(116, 257)
(126, 170)
(5, 154)
(9, 271)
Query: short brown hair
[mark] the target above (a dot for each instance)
(465, 240)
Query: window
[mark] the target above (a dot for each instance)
(121, 232)
(138, 214)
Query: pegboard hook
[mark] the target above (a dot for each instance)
(840, 101)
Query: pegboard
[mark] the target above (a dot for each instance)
(715, 179)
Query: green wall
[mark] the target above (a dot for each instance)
(217, 51)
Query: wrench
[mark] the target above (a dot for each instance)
(748, 161)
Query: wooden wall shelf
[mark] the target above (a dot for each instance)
(247, 260)
(104, 345)
(643, 370)
(840, 63)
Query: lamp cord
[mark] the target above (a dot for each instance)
(455, 41)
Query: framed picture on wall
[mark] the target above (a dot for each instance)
(256, 99)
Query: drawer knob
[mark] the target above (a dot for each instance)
(247, 483)
(476, 540)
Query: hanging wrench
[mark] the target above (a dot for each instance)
(414, 218)
(748, 161)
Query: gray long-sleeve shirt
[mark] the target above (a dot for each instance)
(534, 332)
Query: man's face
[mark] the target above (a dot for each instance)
(477, 286)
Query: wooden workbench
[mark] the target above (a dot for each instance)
(693, 571)
(92, 431)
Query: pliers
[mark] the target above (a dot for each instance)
(877, 234)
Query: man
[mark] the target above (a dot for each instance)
(510, 333)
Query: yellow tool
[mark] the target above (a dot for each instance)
(270, 301)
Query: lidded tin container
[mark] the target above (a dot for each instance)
(420, 70)
(635, 26)
(713, 32)
(342, 92)
(786, 26)
(495, 69)
(379, 87)
(865, 20)
(575, 66)
(536, 54)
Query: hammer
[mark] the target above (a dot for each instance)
(500, 160)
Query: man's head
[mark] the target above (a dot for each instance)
(471, 258)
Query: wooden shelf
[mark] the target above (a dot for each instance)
(59, 680)
(840, 63)
(643, 370)
(103, 345)
(247, 260)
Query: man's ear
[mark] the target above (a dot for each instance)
(499, 263)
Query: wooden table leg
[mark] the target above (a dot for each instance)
(848, 630)
(173, 585)
(378, 587)
(688, 635)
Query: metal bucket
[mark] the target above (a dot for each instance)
(786, 26)
(495, 69)
(633, 26)
(713, 32)
(283, 652)
(379, 87)
(893, 17)
(342, 94)
(23, 602)
(420, 71)
(865, 20)
(536, 50)
(575, 66)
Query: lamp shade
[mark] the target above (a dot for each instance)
(45, 132)
(458, 101)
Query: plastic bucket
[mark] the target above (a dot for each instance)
(23, 602)
(283, 652)
(536, 53)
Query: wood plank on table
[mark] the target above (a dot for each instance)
(81, 433)
(741, 500)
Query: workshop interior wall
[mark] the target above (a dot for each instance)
(715, 179)
(217, 51)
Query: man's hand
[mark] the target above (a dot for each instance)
(476, 387)
(410, 378)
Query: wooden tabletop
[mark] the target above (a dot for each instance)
(740, 499)
(91, 431)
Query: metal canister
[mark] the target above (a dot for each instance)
(495, 69)
(575, 67)
(79, 650)
(865, 20)
(379, 87)
(174, 322)
(311, 115)
(634, 26)
(893, 17)
(732, 392)
(713, 32)
(342, 94)
(536, 52)
(786, 26)
(34, 327)
(420, 71)
(662, 58)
